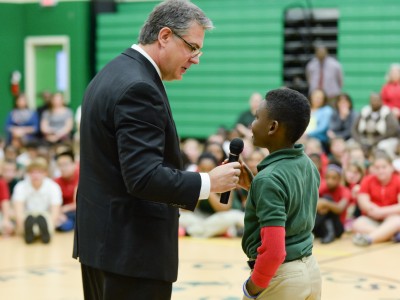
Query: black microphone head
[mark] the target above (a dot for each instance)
(236, 146)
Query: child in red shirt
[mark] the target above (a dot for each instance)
(331, 206)
(6, 226)
(378, 200)
(68, 182)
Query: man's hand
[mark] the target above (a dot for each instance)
(225, 177)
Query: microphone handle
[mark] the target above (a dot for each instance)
(225, 196)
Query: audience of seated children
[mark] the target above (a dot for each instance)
(362, 198)
(36, 200)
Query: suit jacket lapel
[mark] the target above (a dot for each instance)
(138, 56)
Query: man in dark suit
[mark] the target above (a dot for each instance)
(131, 184)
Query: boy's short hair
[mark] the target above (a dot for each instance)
(290, 108)
(38, 163)
(68, 153)
(207, 155)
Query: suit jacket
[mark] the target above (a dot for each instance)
(131, 183)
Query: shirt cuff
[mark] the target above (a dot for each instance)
(205, 186)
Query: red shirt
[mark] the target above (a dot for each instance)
(341, 192)
(381, 195)
(390, 94)
(353, 199)
(4, 191)
(68, 187)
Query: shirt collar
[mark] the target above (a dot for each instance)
(297, 150)
(144, 53)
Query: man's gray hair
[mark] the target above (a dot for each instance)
(178, 15)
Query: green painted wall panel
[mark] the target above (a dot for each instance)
(71, 19)
(22, 20)
(12, 54)
(242, 55)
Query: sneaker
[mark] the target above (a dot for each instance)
(44, 230)
(396, 237)
(28, 227)
(361, 240)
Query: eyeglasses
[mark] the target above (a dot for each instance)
(195, 51)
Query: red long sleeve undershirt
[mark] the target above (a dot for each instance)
(271, 254)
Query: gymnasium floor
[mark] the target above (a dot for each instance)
(210, 269)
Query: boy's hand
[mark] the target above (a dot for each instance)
(246, 176)
(252, 288)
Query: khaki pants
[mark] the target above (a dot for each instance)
(295, 280)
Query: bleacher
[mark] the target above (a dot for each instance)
(245, 53)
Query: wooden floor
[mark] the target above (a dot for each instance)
(210, 269)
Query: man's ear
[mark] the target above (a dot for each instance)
(164, 35)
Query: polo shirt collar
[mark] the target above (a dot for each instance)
(297, 150)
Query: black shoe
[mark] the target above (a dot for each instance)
(327, 239)
(44, 230)
(28, 226)
(330, 232)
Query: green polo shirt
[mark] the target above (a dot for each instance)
(283, 193)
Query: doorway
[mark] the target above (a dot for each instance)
(47, 60)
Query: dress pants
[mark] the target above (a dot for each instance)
(102, 285)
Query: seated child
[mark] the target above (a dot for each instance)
(6, 226)
(378, 200)
(37, 200)
(331, 207)
(68, 182)
(212, 218)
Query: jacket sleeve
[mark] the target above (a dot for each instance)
(140, 120)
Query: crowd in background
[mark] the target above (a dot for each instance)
(356, 152)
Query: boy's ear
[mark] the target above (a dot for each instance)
(273, 127)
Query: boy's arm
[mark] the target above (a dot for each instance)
(55, 213)
(19, 208)
(271, 254)
(6, 223)
(336, 208)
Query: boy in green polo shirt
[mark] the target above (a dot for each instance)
(281, 205)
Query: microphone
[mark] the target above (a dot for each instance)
(235, 148)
